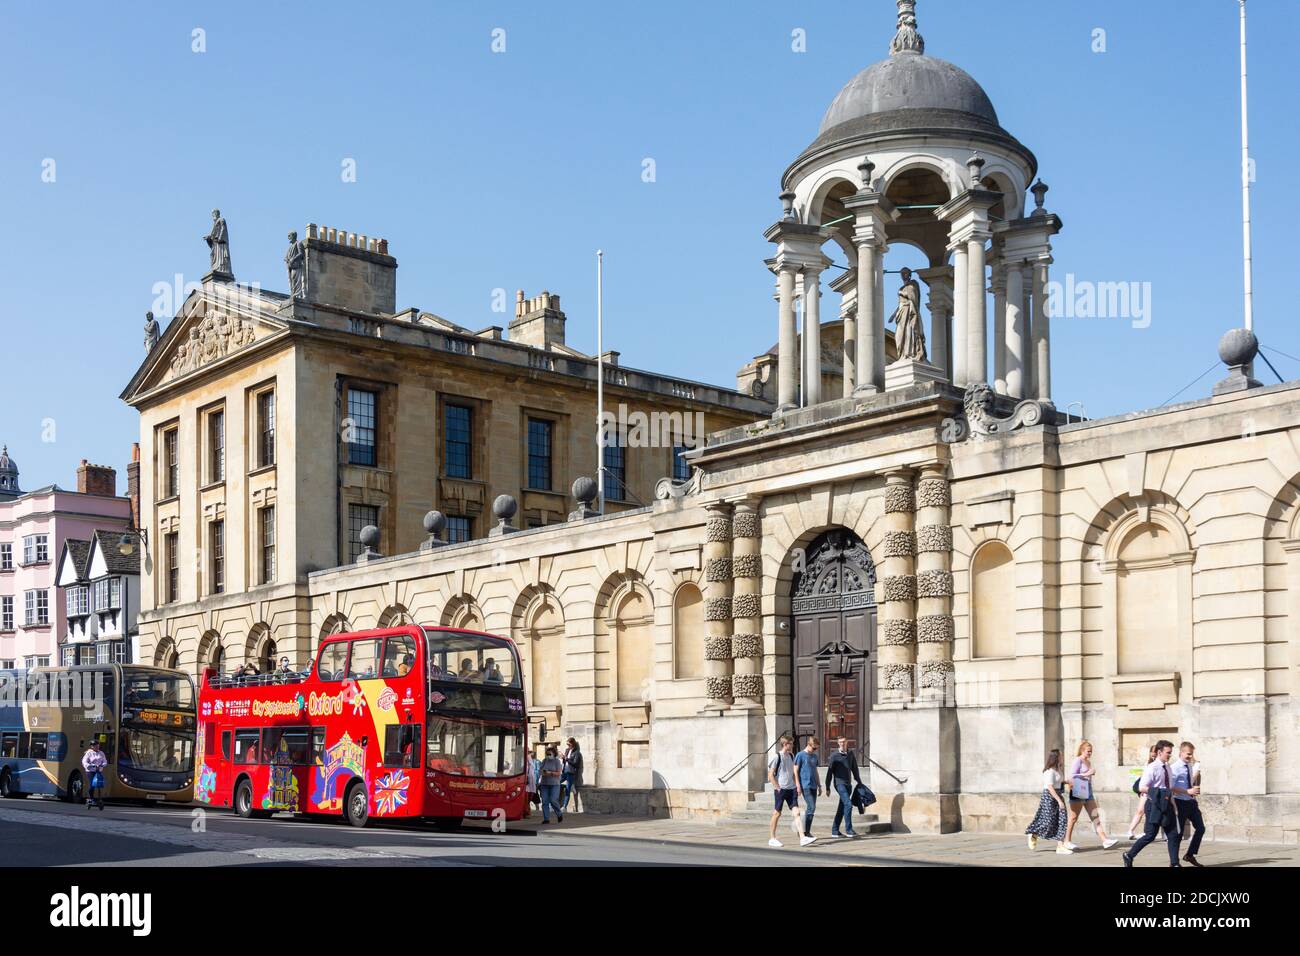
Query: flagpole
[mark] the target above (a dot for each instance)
(1245, 178)
(600, 384)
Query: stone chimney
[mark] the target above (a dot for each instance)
(538, 321)
(133, 484)
(349, 270)
(96, 480)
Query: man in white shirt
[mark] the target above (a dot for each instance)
(1158, 784)
(780, 771)
(1186, 771)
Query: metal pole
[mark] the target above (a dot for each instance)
(1245, 177)
(600, 384)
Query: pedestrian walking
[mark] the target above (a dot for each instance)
(572, 775)
(1082, 797)
(552, 769)
(780, 771)
(532, 782)
(808, 786)
(1142, 799)
(1157, 783)
(1049, 821)
(842, 773)
(93, 761)
(1186, 777)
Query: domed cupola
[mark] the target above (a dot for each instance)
(8, 476)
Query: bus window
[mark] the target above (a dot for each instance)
(9, 745)
(57, 747)
(225, 744)
(40, 746)
(332, 661)
(24, 745)
(318, 745)
(364, 662)
(294, 740)
(246, 742)
(399, 655)
(402, 745)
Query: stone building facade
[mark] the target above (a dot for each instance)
(917, 549)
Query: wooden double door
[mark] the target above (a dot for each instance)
(834, 643)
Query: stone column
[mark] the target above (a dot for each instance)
(878, 356)
(717, 603)
(871, 335)
(746, 603)
(998, 286)
(934, 622)
(1013, 340)
(896, 591)
(850, 319)
(787, 343)
(977, 329)
(960, 307)
(1042, 333)
(939, 281)
(1027, 337)
(812, 329)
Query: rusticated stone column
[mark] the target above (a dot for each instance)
(717, 603)
(896, 591)
(746, 603)
(934, 626)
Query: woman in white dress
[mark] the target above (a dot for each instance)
(1049, 821)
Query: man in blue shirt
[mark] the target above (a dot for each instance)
(1185, 769)
(805, 765)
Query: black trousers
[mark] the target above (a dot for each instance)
(1190, 810)
(1167, 821)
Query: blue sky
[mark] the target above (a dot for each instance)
(508, 170)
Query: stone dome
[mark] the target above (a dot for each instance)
(910, 81)
(8, 474)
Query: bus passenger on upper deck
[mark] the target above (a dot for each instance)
(404, 667)
(467, 671)
(491, 672)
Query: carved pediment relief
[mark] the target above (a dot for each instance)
(212, 337)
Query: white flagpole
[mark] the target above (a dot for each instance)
(1245, 177)
(600, 384)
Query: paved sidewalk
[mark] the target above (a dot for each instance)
(895, 849)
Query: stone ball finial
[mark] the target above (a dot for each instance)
(584, 490)
(434, 522)
(504, 507)
(1238, 347)
(370, 537)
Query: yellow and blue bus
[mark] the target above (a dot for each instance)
(143, 717)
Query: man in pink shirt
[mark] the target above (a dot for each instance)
(1157, 783)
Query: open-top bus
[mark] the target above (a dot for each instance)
(143, 718)
(396, 723)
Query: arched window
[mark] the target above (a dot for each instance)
(993, 601)
(1147, 598)
(688, 632)
(634, 646)
(165, 654)
(545, 635)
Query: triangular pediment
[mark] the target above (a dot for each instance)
(211, 327)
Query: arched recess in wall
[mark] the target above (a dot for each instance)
(211, 653)
(395, 615)
(165, 655)
(463, 612)
(1147, 639)
(688, 632)
(633, 627)
(260, 650)
(540, 633)
(993, 601)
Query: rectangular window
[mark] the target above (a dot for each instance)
(114, 593)
(172, 549)
(360, 427)
(266, 534)
(246, 744)
(78, 600)
(459, 528)
(681, 467)
(265, 429)
(6, 557)
(36, 549)
(359, 516)
(615, 473)
(36, 608)
(104, 651)
(364, 662)
(101, 595)
(539, 454)
(295, 741)
(402, 745)
(458, 429)
(333, 659)
(6, 614)
(217, 548)
(171, 476)
(217, 446)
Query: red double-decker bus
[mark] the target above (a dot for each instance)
(395, 723)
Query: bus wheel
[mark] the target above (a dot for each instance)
(243, 802)
(356, 807)
(7, 787)
(76, 792)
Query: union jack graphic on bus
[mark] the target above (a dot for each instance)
(390, 792)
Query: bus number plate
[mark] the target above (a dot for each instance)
(476, 813)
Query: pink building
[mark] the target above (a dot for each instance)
(34, 526)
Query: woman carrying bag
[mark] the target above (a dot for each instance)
(93, 762)
(1049, 821)
(1081, 797)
